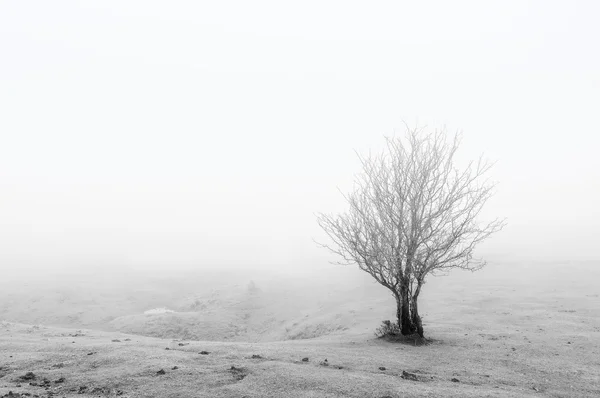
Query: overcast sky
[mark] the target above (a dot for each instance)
(190, 133)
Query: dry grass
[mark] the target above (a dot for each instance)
(495, 337)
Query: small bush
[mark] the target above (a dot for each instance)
(387, 328)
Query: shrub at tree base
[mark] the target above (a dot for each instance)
(391, 331)
(387, 328)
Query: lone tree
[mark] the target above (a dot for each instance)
(413, 213)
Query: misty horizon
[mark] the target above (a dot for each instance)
(155, 137)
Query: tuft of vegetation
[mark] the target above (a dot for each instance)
(387, 329)
(391, 331)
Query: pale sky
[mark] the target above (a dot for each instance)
(190, 133)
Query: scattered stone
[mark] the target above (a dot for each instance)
(161, 372)
(514, 349)
(174, 368)
(90, 353)
(116, 341)
(127, 340)
(58, 365)
(256, 356)
(454, 380)
(409, 376)
(180, 344)
(204, 352)
(167, 348)
(568, 342)
(238, 373)
(535, 389)
(324, 363)
(82, 389)
(382, 368)
(304, 359)
(27, 376)
(119, 393)
(61, 380)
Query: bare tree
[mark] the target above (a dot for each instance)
(413, 213)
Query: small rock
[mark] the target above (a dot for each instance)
(204, 352)
(174, 368)
(304, 359)
(382, 368)
(116, 341)
(28, 376)
(256, 356)
(82, 389)
(238, 373)
(454, 380)
(61, 380)
(409, 376)
(180, 344)
(167, 348)
(161, 372)
(324, 363)
(90, 353)
(125, 340)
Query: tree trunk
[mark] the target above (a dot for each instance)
(405, 323)
(416, 319)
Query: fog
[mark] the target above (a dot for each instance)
(191, 135)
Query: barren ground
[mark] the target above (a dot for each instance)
(496, 333)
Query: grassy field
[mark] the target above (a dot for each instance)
(508, 331)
